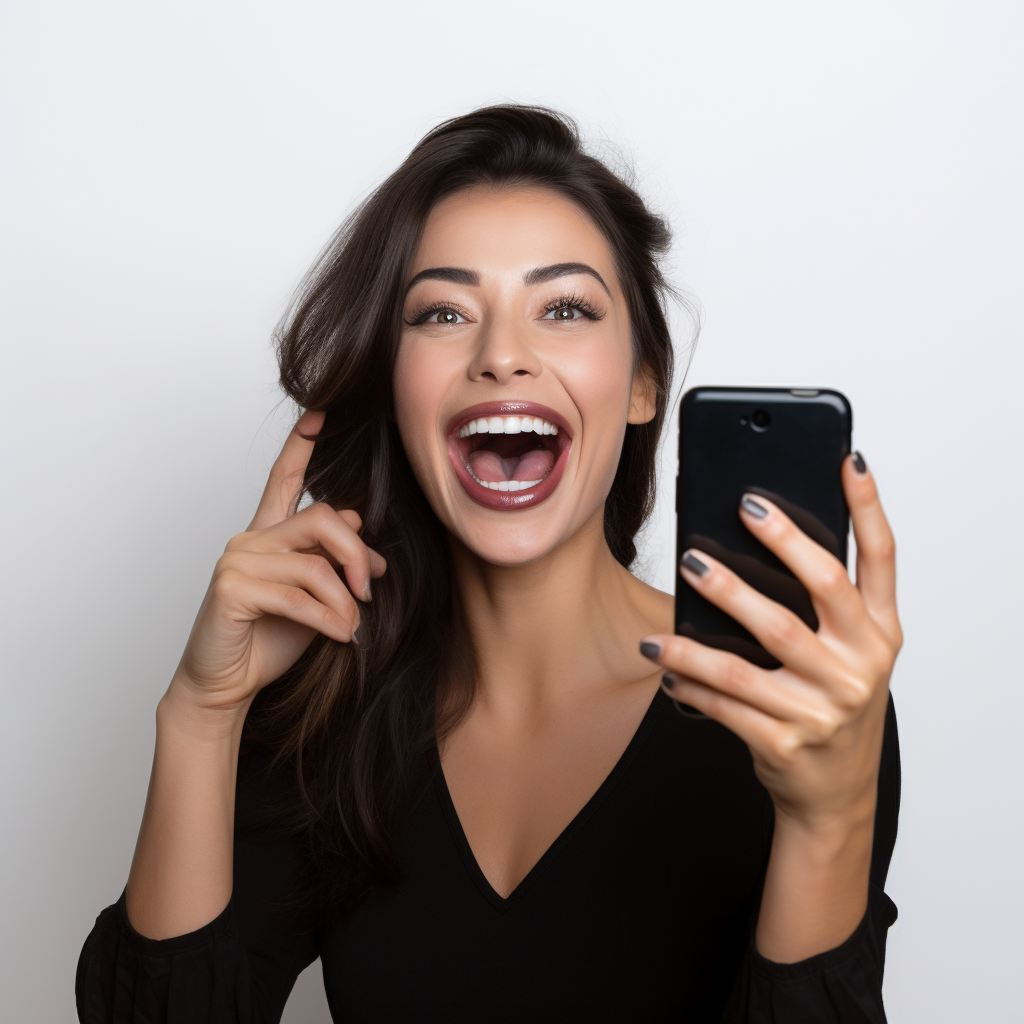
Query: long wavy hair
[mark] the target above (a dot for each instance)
(349, 724)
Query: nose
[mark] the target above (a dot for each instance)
(503, 353)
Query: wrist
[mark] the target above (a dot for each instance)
(825, 845)
(816, 887)
(829, 823)
(179, 710)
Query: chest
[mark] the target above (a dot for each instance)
(516, 791)
(637, 910)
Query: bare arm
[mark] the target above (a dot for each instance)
(275, 587)
(816, 888)
(181, 874)
(815, 725)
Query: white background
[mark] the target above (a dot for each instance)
(845, 184)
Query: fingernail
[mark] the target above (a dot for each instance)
(858, 462)
(755, 508)
(694, 564)
(359, 637)
(650, 649)
(367, 596)
(687, 710)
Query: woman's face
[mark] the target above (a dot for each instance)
(513, 381)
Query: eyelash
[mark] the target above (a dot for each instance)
(575, 302)
(572, 301)
(420, 316)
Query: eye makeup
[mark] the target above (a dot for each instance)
(421, 314)
(588, 310)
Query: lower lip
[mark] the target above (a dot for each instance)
(508, 501)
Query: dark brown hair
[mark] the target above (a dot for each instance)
(351, 723)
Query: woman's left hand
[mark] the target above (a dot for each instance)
(815, 725)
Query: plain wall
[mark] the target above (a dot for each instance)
(844, 181)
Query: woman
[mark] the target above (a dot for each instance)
(464, 786)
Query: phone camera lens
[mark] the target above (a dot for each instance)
(761, 419)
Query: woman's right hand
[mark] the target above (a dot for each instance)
(275, 587)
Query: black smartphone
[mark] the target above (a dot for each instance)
(786, 444)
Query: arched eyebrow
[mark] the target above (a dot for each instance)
(459, 275)
(542, 274)
(456, 275)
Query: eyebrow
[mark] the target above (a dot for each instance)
(456, 275)
(542, 274)
(459, 275)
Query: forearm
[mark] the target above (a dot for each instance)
(181, 875)
(816, 888)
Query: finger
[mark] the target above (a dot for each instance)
(284, 485)
(779, 696)
(378, 564)
(780, 631)
(835, 598)
(312, 573)
(321, 530)
(256, 597)
(766, 735)
(876, 547)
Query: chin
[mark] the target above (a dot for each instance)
(505, 544)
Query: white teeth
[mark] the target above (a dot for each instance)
(508, 425)
(504, 485)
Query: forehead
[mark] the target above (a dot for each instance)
(489, 229)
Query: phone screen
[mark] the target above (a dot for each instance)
(786, 444)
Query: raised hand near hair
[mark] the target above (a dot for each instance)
(277, 585)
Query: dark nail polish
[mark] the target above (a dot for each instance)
(755, 508)
(649, 650)
(858, 462)
(688, 711)
(694, 564)
(359, 637)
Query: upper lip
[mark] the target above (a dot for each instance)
(508, 408)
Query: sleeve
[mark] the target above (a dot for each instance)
(238, 968)
(842, 985)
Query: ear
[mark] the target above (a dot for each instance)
(643, 403)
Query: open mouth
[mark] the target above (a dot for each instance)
(509, 455)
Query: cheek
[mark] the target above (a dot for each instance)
(600, 387)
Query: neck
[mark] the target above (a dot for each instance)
(557, 628)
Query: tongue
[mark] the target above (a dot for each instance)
(491, 468)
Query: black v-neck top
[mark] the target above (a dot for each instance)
(643, 909)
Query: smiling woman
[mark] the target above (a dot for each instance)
(465, 787)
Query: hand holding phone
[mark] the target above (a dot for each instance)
(799, 670)
(785, 444)
(802, 677)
